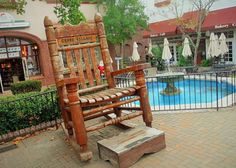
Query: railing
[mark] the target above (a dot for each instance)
(197, 91)
(28, 111)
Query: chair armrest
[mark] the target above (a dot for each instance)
(131, 69)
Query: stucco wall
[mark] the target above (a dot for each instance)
(35, 11)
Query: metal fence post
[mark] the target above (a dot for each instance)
(217, 103)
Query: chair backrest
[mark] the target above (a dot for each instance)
(77, 51)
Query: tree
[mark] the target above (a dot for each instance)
(200, 11)
(68, 12)
(18, 5)
(122, 20)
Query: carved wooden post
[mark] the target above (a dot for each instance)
(105, 54)
(57, 69)
(71, 87)
(77, 118)
(147, 114)
(104, 50)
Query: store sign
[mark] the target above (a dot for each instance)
(221, 26)
(12, 49)
(224, 26)
(8, 21)
(2, 56)
(3, 50)
(14, 54)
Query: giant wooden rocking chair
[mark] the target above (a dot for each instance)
(74, 53)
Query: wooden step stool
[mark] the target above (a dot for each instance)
(125, 149)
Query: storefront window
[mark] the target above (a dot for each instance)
(229, 56)
(15, 48)
(32, 60)
(228, 34)
(12, 41)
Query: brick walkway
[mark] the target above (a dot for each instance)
(194, 140)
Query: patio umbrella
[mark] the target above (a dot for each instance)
(218, 52)
(223, 46)
(213, 49)
(186, 50)
(166, 54)
(135, 54)
(150, 49)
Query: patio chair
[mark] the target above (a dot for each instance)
(75, 53)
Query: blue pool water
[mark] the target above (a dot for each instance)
(192, 92)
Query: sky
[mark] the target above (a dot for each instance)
(156, 14)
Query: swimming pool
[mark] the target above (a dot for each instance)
(192, 92)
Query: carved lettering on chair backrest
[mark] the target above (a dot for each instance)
(79, 48)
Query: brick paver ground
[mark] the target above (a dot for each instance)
(194, 140)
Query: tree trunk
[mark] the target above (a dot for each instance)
(196, 47)
(122, 54)
(113, 54)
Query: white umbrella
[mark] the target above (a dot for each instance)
(135, 54)
(217, 46)
(186, 50)
(150, 49)
(213, 49)
(223, 46)
(166, 54)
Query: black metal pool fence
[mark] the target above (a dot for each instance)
(194, 91)
(25, 112)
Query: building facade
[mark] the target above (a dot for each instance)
(23, 47)
(217, 21)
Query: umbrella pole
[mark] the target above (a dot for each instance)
(168, 66)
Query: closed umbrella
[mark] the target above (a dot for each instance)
(218, 52)
(135, 54)
(223, 46)
(213, 49)
(186, 50)
(166, 54)
(150, 49)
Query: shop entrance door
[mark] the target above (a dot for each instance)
(11, 71)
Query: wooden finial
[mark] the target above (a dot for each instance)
(47, 21)
(98, 17)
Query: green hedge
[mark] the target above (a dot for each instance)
(26, 86)
(206, 63)
(25, 110)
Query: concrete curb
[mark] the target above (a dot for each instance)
(30, 130)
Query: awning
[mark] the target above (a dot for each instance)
(163, 28)
(218, 19)
(223, 18)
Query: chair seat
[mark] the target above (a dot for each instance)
(105, 95)
(108, 94)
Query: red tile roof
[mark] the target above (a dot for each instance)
(223, 18)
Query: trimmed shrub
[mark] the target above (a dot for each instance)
(157, 60)
(26, 110)
(206, 63)
(26, 86)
